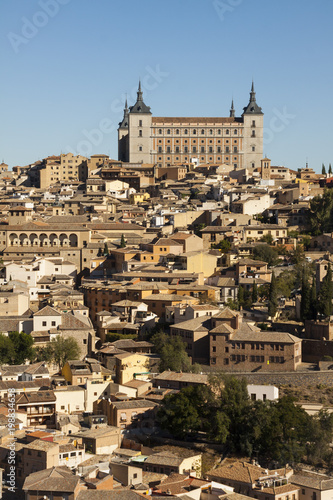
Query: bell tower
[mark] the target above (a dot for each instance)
(253, 120)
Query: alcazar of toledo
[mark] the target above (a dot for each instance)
(165, 141)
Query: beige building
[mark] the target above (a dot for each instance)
(165, 141)
(68, 167)
(128, 364)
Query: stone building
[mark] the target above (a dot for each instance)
(235, 141)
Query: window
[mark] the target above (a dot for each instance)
(186, 131)
(227, 131)
(140, 148)
(159, 149)
(140, 123)
(253, 148)
(253, 133)
(177, 131)
(202, 131)
(140, 133)
(53, 323)
(168, 131)
(160, 131)
(194, 132)
(43, 323)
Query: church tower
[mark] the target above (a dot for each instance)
(253, 120)
(123, 136)
(139, 131)
(265, 168)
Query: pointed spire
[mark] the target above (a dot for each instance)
(232, 109)
(252, 93)
(126, 107)
(139, 92)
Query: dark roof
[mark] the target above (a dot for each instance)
(140, 106)
(109, 495)
(252, 108)
(55, 479)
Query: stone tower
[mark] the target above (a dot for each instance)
(265, 168)
(139, 131)
(253, 119)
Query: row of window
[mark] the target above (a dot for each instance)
(194, 131)
(194, 149)
(243, 345)
(202, 159)
(256, 359)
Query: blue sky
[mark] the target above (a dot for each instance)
(67, 65)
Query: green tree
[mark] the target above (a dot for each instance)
(223, 245)
(45, 353)
(266, 253)
(241, 296)
(323, 169)
(254, 293)
(325, 294)
(305, 299)
(7, 351)
(122, 241)
(286, 283)
(272, 298)
(106, 249)
(313, 300)
(23, 347)
(297, 255)
(330, 169)
(198, 228)
(187, 411)
(64, 349)
(172, 352)
(267, 238)
(320, 213)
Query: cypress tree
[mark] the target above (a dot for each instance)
(122, 241)
(305, 300)
(272, 297)
(323, 169)
(325, 294)
(106, 250)
(241, 294)
(313, 300)
(254, 292)
(330, 169)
